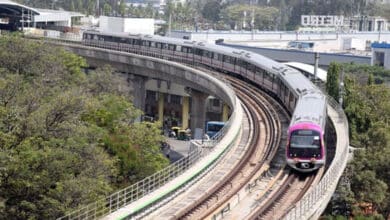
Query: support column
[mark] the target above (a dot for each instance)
(160, 107)
(198, 112)
(225, 112)
(185, 112)
(139, 92)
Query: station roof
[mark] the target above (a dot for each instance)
(321, 74)
(8, 7)
(380, 45)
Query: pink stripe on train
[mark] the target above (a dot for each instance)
(305, 126)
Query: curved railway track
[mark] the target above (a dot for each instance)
(282, 192)
(261, 149)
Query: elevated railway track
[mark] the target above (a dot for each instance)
(306, 206)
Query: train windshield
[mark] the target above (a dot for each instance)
(214, 127)
(305, 143)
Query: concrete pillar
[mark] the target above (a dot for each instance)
(185, 111)
(139, 92)
(225, 112)
(160, 107)
(198, 110)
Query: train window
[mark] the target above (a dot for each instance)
(241, 63)
(171, 47)
(186, 49)
(207, 54)
(229, 59)
(178, 48)
(111, 39)
(164, 46)
(291, 98)
(268, 76)
(152, 44)
(251, 67)
(136, 42)
(219, 57)
(158, 45)
(198, 52)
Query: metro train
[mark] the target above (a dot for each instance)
(305, 150)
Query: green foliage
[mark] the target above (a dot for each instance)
(332, 80)
(367, 106)
(66, 138)
(239, 15)
(107, 9)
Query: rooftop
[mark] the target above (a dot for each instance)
(380, 45)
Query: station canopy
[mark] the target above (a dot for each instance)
(15, 16)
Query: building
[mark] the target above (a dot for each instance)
(381, 54)
(366, 23)
(14, 16)
(339, 23)
(126, 25)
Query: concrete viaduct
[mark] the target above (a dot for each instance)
(139, 70)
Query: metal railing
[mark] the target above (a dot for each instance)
(136, 191)
(311, 203)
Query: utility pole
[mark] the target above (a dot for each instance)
(341, 88)
(316, 60)
(170, 24)
(97, 8)
(22, 19)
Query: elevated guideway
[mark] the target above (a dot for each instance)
(146, 192)
(312, 204)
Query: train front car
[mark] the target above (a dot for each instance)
(305, 150)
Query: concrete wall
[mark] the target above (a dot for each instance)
(157, 69)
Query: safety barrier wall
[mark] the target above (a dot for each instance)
(314, 203)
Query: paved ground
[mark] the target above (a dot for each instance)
(178, 149)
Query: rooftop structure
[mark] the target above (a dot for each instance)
(15, 16)
(381, 54)
(126, 25)
(339, 23)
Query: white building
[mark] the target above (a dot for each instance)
(126, 25)
(366, 23)
(16, 16)
(381, 54)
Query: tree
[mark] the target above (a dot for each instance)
(211, 10)
(368, 110)
(122, 8)
(240, 16)
(107, 9)
(332, 80)
(66, 138)
(370, 80)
